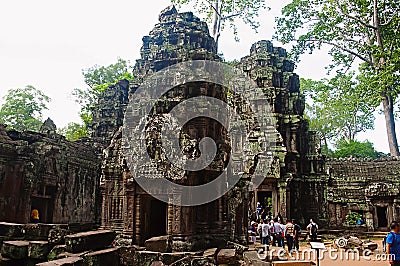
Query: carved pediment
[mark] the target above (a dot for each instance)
(381, 189)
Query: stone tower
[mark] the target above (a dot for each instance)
(127, 208)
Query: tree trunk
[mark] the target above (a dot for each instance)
(387, 99)
(216, 22)
(390, 125)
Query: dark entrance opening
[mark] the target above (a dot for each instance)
(265, 198)
(158, 218)
(45, 208)
(155, 218)
(382, 216)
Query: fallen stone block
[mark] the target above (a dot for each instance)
(127, 255)
(105, 257)
(70, 261)
(57, 235)
(39, 249)
(253, 258)
(169, 258)
(239, 248)
(370, 245)
(40, 231)
(159, 244)
(226, 256)
(146, 257)
(56, 251)
(91, 240)
(15, 249)
(199, 261)
(211, 253)
(11, 229)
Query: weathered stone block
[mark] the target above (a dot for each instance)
(56, 251)
(39, 249)
(210, 253)
(146, 258)
(169, 258)
(239, 248)
(57, 235)
(226, 256)
(370, 245)
(15, 249)
(70, 261)
(11, 229)
(91, 240)
(159, 244)
(252, 258)
(104, 257)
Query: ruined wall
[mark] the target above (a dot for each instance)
(370, 187)
(45, 171)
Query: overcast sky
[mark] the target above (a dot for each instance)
(47, 43)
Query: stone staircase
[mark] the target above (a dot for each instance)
(377, 234)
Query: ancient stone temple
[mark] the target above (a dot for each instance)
(128, 209)
(370, 188)
(44, 171)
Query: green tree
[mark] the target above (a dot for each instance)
(74, 131)
(357, 149)
(338, 108)
(357, 32)
(98, 79)
(222, 12)
(22, 108)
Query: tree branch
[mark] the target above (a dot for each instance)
(354, 18)
(213, 7)
(235, 15)
(343, 49)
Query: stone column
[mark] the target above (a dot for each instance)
(129, 212)
(138, 223)
(283, 200)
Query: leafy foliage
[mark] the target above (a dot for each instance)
(352, 218)
(222, 12)
(74, 131)
(98, 79)
(338, 108)
(355, 31)
(22, 109)
(357, 149)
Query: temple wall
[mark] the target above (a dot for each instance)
(370, 187)
(47, 172)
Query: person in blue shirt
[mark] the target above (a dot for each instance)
(393, 244)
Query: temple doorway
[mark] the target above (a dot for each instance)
(265, 198)
(155, 218)
(45, 208)
(381, 213)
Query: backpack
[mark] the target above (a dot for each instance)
(290, 229)
(313, 229)
(297, 228)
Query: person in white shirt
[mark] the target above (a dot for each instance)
(265, 236)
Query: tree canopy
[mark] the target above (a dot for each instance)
(98, 79)
(23, 108)
(356, 149)
(225, 12)
(358, 33)
(338, 108)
